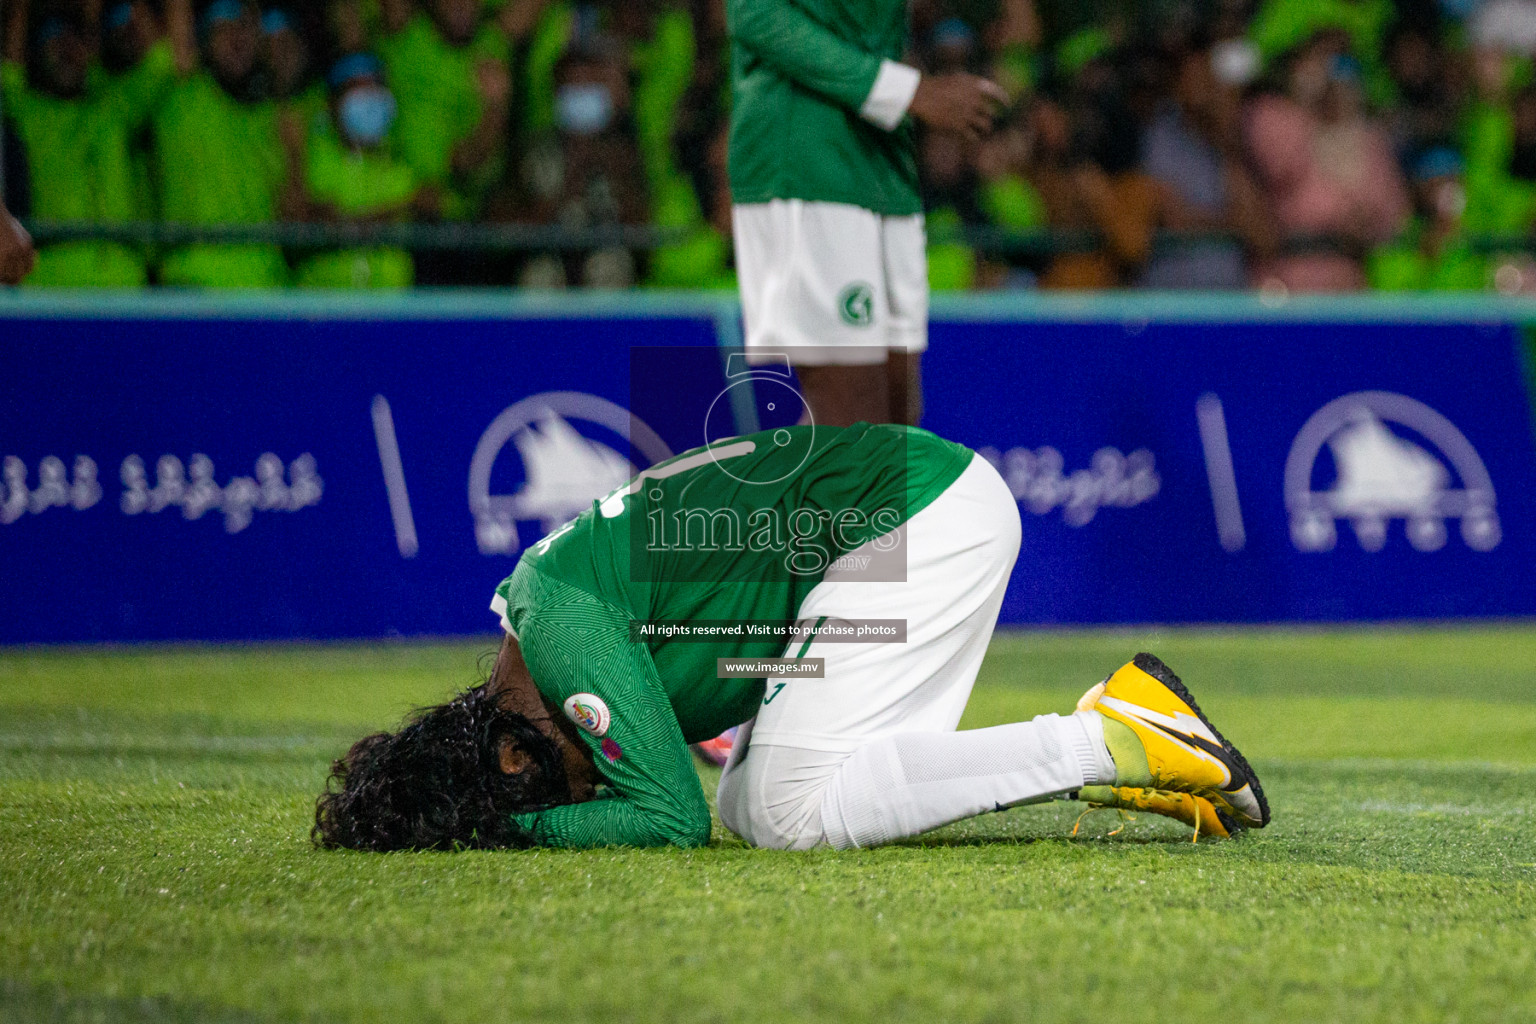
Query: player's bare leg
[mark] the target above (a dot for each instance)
(904, 385)
(840, 396)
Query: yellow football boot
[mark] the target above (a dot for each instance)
(1195, 811)
(1160, 740)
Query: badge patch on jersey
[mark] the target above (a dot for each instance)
(589, 712)
(856, 305)
(611, 750)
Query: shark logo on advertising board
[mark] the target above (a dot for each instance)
(564, 469)
(1380, 474)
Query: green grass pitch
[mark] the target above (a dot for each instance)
(154, 860)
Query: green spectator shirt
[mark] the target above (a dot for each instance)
(663, 67)
(435, 86)
(1403, 266)
(574, 595)
(220, 162)
(951, 263)
(1281, 25)
(81, 168)
(701, 258)
(801, 72)
(358, 185)
(1497, 202)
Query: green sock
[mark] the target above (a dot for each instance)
(1130, 756)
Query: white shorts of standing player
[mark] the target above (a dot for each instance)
(869, 753)
(830, 283)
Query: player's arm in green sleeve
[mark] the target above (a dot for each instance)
(580, 649)
(780, 33)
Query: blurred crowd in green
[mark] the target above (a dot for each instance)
(1286, 145)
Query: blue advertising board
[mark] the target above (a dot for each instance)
(271, 476)
(301, 467)
(1175, 472)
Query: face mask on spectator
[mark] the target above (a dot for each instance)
(1436, 176)
(1235, 62)
(366, 114)
(583, 109)
(1451, 200)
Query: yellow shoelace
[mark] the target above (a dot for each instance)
(1126, 818)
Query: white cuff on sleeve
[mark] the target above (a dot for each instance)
(891, 94)
(499, 606)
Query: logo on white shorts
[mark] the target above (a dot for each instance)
(856, 305)
(589, 712)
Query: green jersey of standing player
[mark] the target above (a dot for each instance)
(826, 213)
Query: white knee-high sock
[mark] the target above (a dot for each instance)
(908, 784)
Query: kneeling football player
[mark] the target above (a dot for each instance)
(616, 625)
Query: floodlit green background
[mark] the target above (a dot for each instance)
(154, 861)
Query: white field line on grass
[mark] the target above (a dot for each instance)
(1468, 810)
(1388, 764)
(107, 743)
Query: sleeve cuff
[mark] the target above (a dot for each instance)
(525, 828)
(499, 606)
(891, 95)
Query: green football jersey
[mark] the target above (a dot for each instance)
(734, 536)
(800, 72)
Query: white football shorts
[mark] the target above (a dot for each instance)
(960, 552)
(830, 283)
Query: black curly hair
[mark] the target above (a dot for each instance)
(437, 784)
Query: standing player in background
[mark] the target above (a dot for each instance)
(17, 256)
(827, 218)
